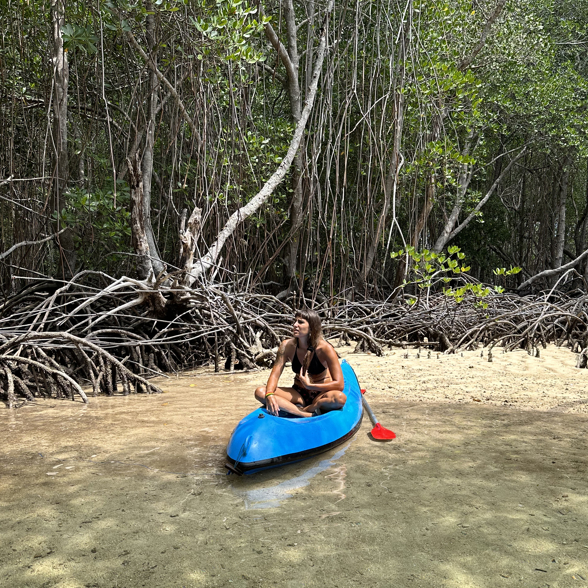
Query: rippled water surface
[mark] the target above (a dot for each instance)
(132, 491)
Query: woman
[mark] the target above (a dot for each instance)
(318, 380)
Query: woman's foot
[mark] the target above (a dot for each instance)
(298, 411)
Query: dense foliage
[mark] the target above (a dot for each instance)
(437, 123)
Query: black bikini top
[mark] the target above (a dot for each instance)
(315, 367)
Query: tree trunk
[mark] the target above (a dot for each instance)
(189, 235)
(465, 177)
(580, 231)
(297, 215)
(291, 61)
(67, 254)
(147, 163)
(469, 59)
(444, 239)
(140, 242)
(430, 193)
(552, 274)
(560, 240)
(61, 83)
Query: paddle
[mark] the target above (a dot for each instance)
(378, 432)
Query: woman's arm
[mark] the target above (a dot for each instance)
(328, 355)
(271, 402)
(278, 367)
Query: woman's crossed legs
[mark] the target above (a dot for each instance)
(291, 400)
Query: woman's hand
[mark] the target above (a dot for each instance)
(271, 404)
(304, 380)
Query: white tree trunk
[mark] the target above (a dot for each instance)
(211, 257)
(465, 177)
(561, 218)
(551, 273)
(61, 84)
(147, 163)
(67, 254)
(447, 235)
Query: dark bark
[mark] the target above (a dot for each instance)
(145, 268)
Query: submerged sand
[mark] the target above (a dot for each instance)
(485, 485)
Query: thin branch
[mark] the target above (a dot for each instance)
(25, 243)
(554, 272)
(167, 84)
(467, 61)
(491, 191)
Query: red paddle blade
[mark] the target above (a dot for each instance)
(382, 434)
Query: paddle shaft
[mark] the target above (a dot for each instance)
(378, 433)
(369, 410)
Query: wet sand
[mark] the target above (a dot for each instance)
(485, 485)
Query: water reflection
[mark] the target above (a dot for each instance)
(273, 496)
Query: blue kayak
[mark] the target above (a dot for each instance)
(262, 440)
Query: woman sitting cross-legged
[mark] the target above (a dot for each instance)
(318, 380)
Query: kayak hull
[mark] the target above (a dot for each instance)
(262, 440)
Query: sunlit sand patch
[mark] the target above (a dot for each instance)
(49, 568)
(272, 497)
(539, 546)
(292, 555)
(30, 542)
(199, 577)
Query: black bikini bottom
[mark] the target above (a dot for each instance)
(307, 395)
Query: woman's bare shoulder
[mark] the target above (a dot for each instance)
(288, 346)
(285, 352)
(325, 349)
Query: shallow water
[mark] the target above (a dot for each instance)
(260, 493)
(131, 491)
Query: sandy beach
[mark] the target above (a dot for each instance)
(484, 486)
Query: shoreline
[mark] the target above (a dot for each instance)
(515, 379)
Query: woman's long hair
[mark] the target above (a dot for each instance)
(315, 335)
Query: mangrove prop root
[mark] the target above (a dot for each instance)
(112, 335)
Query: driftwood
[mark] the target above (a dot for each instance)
(112, 335)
